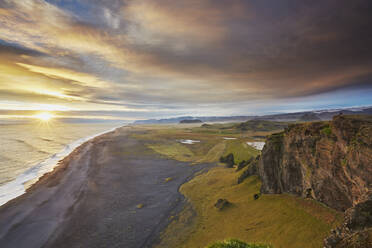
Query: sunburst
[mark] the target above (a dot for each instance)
(44, 116)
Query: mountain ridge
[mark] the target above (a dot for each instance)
(325, 114)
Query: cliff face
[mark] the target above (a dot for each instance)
(328, 161)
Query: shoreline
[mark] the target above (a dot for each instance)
(91, 198)
(23, 182)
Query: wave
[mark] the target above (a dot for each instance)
(25, 143)
(32, 147)
(17, 187)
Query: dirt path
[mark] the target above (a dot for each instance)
(92, 198)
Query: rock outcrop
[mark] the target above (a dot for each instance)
(328, 161)
(228, 160)
(356, 231)
(221, 204)
(251, 169)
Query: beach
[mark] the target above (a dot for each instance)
(112, 191)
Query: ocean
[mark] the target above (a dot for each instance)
(29, 150)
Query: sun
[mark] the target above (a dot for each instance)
(44, 116)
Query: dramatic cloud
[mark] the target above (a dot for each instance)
(177, 57)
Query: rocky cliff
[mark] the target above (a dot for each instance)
(328, 161)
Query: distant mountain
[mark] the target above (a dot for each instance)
(260, 125)
(203, 119)
(191, 121)
(325, 114)
(310, 117)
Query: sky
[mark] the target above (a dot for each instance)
(139, 59)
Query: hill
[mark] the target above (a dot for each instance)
(310, 117)
(261, 125)
(190, 121)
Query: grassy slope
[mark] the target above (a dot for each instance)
(280, 220)
(240, 149)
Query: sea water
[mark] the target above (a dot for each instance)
(29, 150)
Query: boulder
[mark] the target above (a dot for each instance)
(221, 204)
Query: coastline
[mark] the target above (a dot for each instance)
(27, 179)
(91, 198)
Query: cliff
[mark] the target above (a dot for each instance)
(328, 161)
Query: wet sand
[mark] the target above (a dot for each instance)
(91, 199)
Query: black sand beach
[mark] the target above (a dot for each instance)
(110, 192)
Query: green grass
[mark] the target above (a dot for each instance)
(279, 220)
(327, 130)
(214, 153)
(240, 149)
(344, 162)
(175, 151)
(235, 243)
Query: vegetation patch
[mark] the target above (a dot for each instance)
(168, 179)
(344, 162)
(235, 243)
(176, 151)
(327, 131)
(214, 153)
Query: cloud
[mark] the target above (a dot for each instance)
(76, 77)
(293, 50)
(58, 32)
(182, 54)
